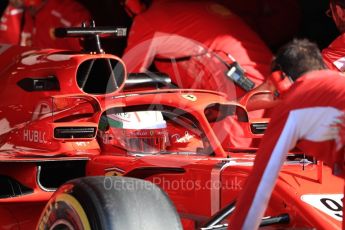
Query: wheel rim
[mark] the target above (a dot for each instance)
(62, 225)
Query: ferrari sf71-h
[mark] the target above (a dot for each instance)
(81, 140)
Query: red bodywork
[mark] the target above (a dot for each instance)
(200, 177)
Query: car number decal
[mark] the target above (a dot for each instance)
(331, 204)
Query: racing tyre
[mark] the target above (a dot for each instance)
(109, 203)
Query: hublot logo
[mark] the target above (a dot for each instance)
(34, 136)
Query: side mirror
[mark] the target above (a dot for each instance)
(256, 100)
(101, 75)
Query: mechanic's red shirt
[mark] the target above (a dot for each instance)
(334, 54)
(275, 21)
(308, 117)
(10, 25)
(181, 29)
(38, 31)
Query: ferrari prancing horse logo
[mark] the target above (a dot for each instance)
(189, 97)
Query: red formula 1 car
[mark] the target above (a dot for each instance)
(77, 137)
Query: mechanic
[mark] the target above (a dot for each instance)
(32, 22)
(309, 116)
(334, 54)
(189, 40)
(199, 44)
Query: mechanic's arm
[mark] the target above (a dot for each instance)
(75, 14)
(140, 50)
(279, 138)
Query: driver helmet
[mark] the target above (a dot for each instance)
(143, 132)
(337, 8)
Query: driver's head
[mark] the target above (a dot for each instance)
(142, 132)
(338, 13)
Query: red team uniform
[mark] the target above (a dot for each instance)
(334, 54)
(194, 34)
(18, 26)
(311, 117)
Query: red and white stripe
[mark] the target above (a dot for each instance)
(314, 124)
